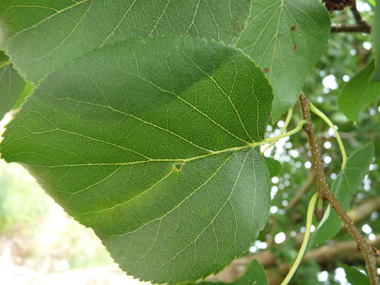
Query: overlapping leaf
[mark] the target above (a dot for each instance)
(11, 85)
(355, 277)
(274, 166)
(151, 144)
(286, 38)
(43, 35)
(344, 188)
(358, 93)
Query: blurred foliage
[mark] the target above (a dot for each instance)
(43, 237)
(22, 202)
(344, 57)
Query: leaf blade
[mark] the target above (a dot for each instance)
(355, 277)
(274, 166)
(285, 38)
(358, 93)
(70, 30)
(148, 159)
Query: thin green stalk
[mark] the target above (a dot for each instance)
(327, 120)
(288, 117)
(280, 136)
(301, 252)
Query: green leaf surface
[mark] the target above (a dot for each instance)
(158, 154)
(253, 275)
(286, 38)
(376, 44)
(344, 188)
(41, 36)
(358, 93)
(273, 165)
(11, 85)
(355, 277)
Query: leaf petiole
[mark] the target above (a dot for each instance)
(280, 136)
(316, 111)
(288, 117)
(298, 259)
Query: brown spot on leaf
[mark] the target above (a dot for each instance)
(177, 167)
(295, 48)
(266, 70)
(293, 28)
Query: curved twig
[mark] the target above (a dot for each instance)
(325, 192)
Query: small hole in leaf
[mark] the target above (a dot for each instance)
(293, 28)
(178, 167)
(295, 48)
(266, 70)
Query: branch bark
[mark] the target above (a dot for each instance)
(357, 16)
(346, 250)
(362, 27)
(325, 192)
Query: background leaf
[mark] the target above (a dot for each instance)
(11, 85)
(355, 277)
(344, 188)
(157, 154)
(28, 89)
(273, 165)
(58, 31)
(254, 274)
(376, 44)
(358, 93)
(286, 38)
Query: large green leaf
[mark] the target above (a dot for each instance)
(42, 35)
(151, 144)
(344, 188)
(376, 44)
(11, 85)
(355, 277)
(286, 38)
(253, 275)
(358, 93)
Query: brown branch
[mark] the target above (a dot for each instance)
(362, 27)
(357, 16)
(325, 192)
(346, 250)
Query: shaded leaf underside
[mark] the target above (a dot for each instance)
(156, 153)
(43, 35)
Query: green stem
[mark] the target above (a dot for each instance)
(288, 117)
(309, 219)
(280, 136)
(327, 120)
